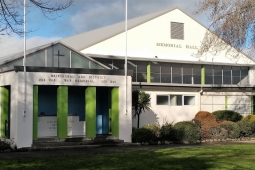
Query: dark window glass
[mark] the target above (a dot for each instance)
(155, 67)
(189, 100)
(244, 71)
(187, 79)
(208, 79)
(162, 100)
(226, 71)
(197, 79)
(142, 66)
(165, 68)
(235, 80)
(236, 71)
(176, 100)
(131, 65)
(106, 62)
(208, 70)
(165, 78)
(141, 77)
(226, 80)
(177, 69)
(218, 79)
(187, 69)
(217, 70)
(176, 78)
(155, 77)
(118, 64)
(197, 70)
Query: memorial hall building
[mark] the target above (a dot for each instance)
(76, 87)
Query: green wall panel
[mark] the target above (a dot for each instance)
(90, 107)
(35, 112)
(4, 109)
(62, 111)
(115, 111)
(149, 72)
(202, 74)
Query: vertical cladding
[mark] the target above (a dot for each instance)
(4, 110)
(90, 100)
(115, 111)
(149, 72)
(62, 111)
(35, 112)
(202, 74)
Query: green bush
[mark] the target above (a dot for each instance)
(228, 115)
(249, 117)
(247, 127)
(155, 128)
(218, 133)
(143, 135)
(167, 133)
(233, 129)
(4, 146)
(187, 131)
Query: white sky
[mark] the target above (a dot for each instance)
(85, 15)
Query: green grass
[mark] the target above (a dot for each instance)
(215, 157)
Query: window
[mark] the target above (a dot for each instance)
(176, 100)
(162, 100)
(177, 30)
(217, 71)
(189, 100)
(177, 73)
(187, 74)
(208, 74)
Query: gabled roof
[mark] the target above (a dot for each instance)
(87, 39)
(20, 55)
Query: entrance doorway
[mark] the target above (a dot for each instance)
(103, 106)
(5, 111)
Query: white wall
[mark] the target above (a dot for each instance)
(163, 113)
(143, 39)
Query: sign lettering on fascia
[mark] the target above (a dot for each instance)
(77, 78)
(176, 45)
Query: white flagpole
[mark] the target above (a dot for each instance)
(126, 58)
(24, 63)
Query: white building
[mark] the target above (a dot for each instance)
(76, 86)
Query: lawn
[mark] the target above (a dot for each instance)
(240, 156)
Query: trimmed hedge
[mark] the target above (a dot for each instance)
(228, 115)
(187, 131)
(4, 146)
(206, 121)
(233, 129)
(247, 127)
(167, 133)
(142, 135)
(249, 117)
(155, 128)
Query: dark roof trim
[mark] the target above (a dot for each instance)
(73, 70)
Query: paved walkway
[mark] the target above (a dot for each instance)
(109, 149)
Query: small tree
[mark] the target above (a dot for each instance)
(140, 102)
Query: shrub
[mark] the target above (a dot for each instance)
(206, 121)
(249, 117)
(155, 128)
(247, 127)
(4, 146)
(143, 135)
(187, 132)
(218, 133)
(167, 133)
(233, 129)
(228, 115)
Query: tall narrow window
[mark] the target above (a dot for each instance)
(177, 30)
(176, 100)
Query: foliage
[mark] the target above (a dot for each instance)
(167, 133)
(218, 133)
(249, 117)
(233, 129)
(155, 128)
(140, 102)
(232, 21)
(228, 115)
(11, 13)
(247, 127)
(187, 131)
(4, 146)
(143, 135)
(206, 121)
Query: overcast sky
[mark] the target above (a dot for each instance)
(85, 15)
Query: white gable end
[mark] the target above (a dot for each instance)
(153, 38)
